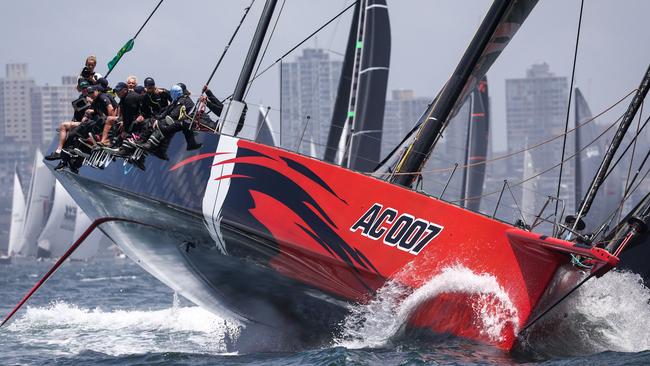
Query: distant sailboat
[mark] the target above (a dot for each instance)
(91, 244)
(529, 187)
(17, 216)
(586, 166)
(58, 232)
(38, 207)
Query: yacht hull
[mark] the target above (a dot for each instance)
(270, 237)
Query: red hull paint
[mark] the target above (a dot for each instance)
(522, 263)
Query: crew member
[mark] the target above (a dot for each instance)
(179, 111)
(88, 72)
(131, 82)
(156, 99)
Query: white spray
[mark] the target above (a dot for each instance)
(374, 324)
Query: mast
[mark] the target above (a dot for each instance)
(479, 132)
(499, 26)
(340, 113)
(233, 121)
(366, 113)
(628, 117)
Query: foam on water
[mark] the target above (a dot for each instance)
(68, 329)
(374, 324)
(611, 313)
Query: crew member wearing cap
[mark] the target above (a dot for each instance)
(130, 110)
(179, 111)
(156, 99)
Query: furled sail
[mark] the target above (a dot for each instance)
(90, 246)
(57, 235)
(17, 216)
(500, 24)
(479, 133)
(265, 134)
(41, 190)
(366, 81)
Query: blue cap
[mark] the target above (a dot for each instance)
(176, 92)
(139, 89)
(120, 86)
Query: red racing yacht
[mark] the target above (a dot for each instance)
(276, 239)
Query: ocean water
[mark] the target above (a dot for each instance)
(110, 312)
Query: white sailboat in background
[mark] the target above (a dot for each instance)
(265, 133)
(38, 207)
(528, 188)
(17, 218)
(90, 246)
(58, 233)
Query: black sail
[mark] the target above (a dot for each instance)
(500, 24)
(479, 133)
(366, 112)
(340, 113)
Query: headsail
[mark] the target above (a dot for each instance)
(479, 133)
(265, 134)
(497, 29)
(359, 143)
(57, 235)
(17, 216)
(39, 200)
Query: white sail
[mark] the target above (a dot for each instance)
(90, 246)
(265, 133)
(529, 188)
(312, 148)
(38, 205)
(17, 217)
(56, 237)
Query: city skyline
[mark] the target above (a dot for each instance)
(424, 52)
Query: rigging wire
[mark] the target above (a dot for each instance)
(568, 108)
(268, 42)
(134, 37)
(301, 43)
(532, 147)
(629, 169)
(223, 54)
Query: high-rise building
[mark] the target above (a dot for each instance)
(51, 105)
(309, 87)
(402, 113)
(15, 104)
(536, 109)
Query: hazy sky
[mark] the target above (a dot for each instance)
(184, 39)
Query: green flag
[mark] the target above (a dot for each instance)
(128, 46)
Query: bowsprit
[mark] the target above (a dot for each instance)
(407, 232)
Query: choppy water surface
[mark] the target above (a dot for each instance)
(110, 312)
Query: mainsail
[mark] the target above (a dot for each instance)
(265, 134)
(495, 32)
(57, 235)
(357, 125)
(479, 132)
(17, 216)
(38, 206)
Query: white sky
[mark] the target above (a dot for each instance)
(184, 39)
